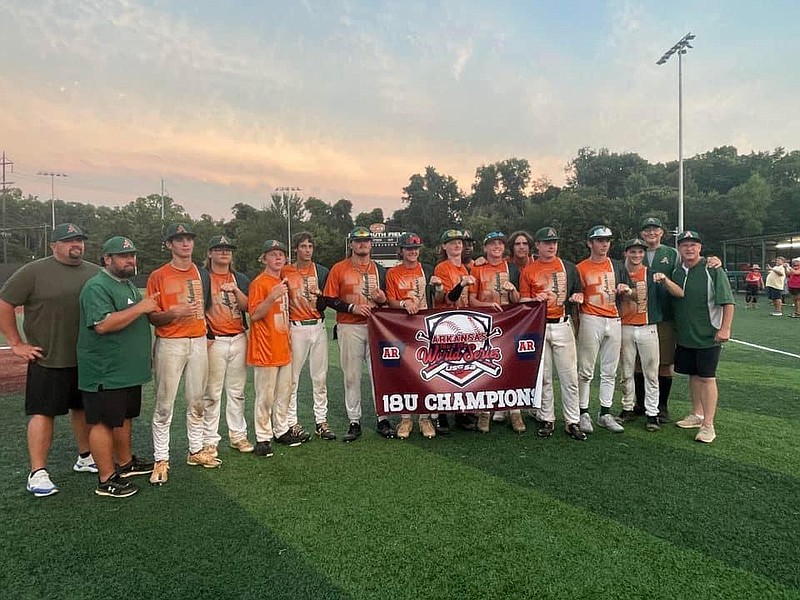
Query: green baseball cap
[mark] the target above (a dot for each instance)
(274, 245)
(689, 236)
(467, 235)
(452, 234)
(221, 241)
(174, 229)
(118, 245)
(410, 240)
(66, 231)
(635, 243)
(360, 234)
(546, 234)
(600, 231)
(652, 222)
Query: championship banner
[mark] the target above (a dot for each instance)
(457, 360)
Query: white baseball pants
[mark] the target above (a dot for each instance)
(601, 335)
(644, 341)
(559, 349)
(310, 342)
(227, 367)
(273, 385)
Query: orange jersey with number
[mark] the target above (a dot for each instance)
(599, 288)
(353, 285)
(302, 281)
(404, 283)
(269, 337)
(176, 287)
(224, 315)
(550, 277)
(489, 280)
(634, 307)
(450, 276)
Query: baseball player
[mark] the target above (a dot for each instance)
(113, 362)
(603, 280)
(520, 243)
(48, 290)
(354, 288)
(307, 332)
(555, 281)
(407, 289)
(496, 283)
(703, 318)
(180, 350)
(226, 304)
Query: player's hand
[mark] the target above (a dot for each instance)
(229, 286)
(576, 298)
(378, 296)
(315, 291)
(27, 351)
(411, 305)
(279, 290)
(659, 277)
(436, 283)
(722, 335)
(496, 306)
(467, 280)
(183, 310)
(362, 310)
(481, 260)
(509, 287)
(149, 304)
(713, 262)
(623, 289)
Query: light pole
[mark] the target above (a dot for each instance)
(680, 48)
(52, 177)
(283, 191)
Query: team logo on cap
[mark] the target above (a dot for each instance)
(180, 229)
(459, 347)
(223, 240)
(126, 244)
(71, 228)
(551, 232)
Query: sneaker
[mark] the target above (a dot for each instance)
(385, 429)
(638, 410)
(483, 422)
(442, 425)
(627, 415)
(574, 431)
(40, 485)
(201, 458)
(794, 316)
(663, 416)
(353, 432)
(426, 428)
(85, 465)
(777, 314)
(293, 437)
(586, 423)
(324, 432)
(499, 417)
(135, 467)
(299, 433)
(211, 449)
(652, 424)
(404, 428)
(160, 473)
(609, 422)
(263, 449)
(243, 445)
(116, 487)
(691, 421)
(466, 421)
(706, 435)
(547, 429)
(517, 423)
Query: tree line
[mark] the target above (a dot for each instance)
(727, 195)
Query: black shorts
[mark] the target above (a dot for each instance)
(774, 294)
(51, 392)
(112, 407)
(701, 362)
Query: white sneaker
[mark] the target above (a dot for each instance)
(40, 484)
(690, 421)
(586, 423)
(85, 465)
(609, 422)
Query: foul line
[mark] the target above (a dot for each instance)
(765, 348)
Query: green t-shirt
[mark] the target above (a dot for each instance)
(49, 292)
(665, 260)
(698, 315)
(118, 359)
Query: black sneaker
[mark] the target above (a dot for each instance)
(574, 431)
(137, 466)
(626, 415)
(294, 436)
(323, 431)
(385, 429)
(547, 429)
(442, 425)
(263, 449)
(652, 424)
(353, 432)
(115, 487)
(663, 416)
(467, 422)
(638, 410)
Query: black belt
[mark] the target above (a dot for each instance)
(216, 335)
(559, 320)
(306, 322)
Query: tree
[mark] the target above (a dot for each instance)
(365, 219)
(615, 175)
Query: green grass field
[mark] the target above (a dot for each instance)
(630, 515)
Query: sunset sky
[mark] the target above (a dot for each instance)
(346, 98)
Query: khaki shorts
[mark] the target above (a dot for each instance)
(666, 342)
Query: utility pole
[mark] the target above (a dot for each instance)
(10, 164)
(162, 199)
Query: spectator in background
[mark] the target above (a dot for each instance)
(776, 278)
(794, 286)
(753, 283)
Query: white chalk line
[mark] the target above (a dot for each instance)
(765, 348)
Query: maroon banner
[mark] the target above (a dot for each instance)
(456, 360)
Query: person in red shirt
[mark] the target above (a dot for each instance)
(753, 283)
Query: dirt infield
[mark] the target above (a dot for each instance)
(12, 372)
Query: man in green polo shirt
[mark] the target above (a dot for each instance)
(113, 363)
(703, 319)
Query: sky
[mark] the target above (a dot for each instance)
(226, 101)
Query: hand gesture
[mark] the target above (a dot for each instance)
(576, 298)
(27, 351)
(149, 304)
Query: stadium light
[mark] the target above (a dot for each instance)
(680, 48)
(52, 177)
(283, 191)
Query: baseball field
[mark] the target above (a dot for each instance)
(632, 515)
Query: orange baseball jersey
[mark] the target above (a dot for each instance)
(176, 287)
(269, 337)
(224, 315)
(634, 307)
(302, 281)
(599, 288)
(406, 283)
(352, 284)
(450, 276)
(550, 277)
(489, 280)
